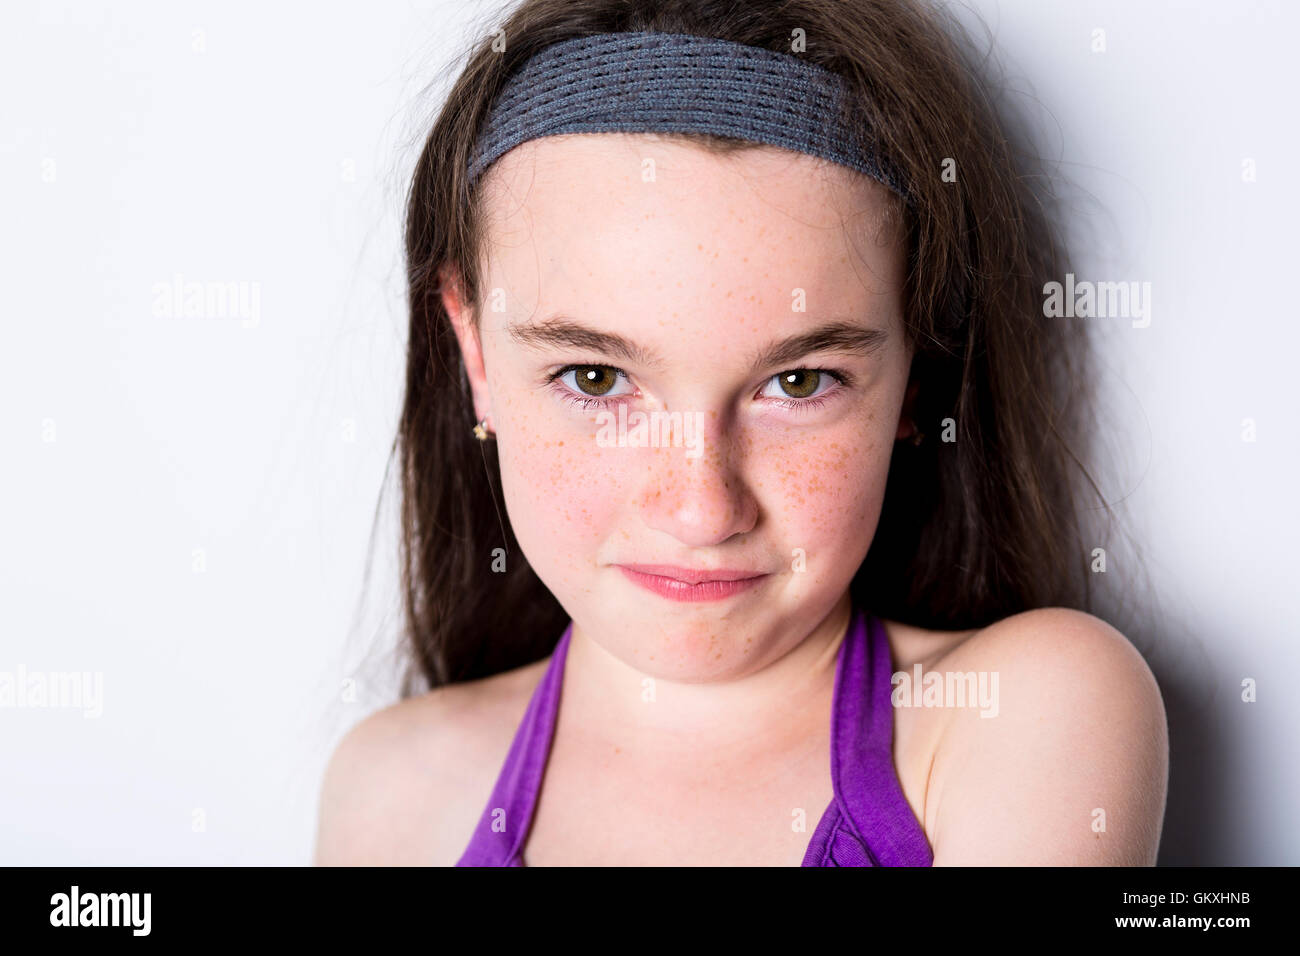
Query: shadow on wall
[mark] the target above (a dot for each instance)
(1198, 804)
(1198, 829)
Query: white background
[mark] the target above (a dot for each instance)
(244, 143)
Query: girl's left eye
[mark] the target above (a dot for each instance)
(801, 386)
(592, 384)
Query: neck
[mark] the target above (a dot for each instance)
(770, 708)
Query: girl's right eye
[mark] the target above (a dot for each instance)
(592, 384)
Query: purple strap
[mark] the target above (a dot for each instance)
(499, 837)
(869, 822)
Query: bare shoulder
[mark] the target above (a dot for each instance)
(406, 784)
(1063, 661)
(1047, 639)
(1072, 769)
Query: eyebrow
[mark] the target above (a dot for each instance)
(560, 331)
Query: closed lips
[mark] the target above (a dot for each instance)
(693, 576)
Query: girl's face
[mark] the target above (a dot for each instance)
(755, 297)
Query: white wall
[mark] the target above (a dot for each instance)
(240, 143)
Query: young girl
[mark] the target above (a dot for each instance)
(741, 468)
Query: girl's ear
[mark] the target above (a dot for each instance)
(461, 314)
(906, 423)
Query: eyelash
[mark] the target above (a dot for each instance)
(586, 402)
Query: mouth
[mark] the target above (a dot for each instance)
(691, 584)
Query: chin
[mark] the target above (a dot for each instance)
(677, 646)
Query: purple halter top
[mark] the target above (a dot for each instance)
(868, 823)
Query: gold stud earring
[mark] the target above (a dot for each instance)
(481, 432)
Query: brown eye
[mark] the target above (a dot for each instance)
(800, 383)
(594, 379)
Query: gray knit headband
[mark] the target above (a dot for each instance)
(670, 82)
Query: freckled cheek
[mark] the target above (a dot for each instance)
(552, 493)
(825, 490)
(563, 491)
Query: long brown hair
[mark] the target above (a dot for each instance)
(980, 521)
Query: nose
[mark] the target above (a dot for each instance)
(700, 501)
